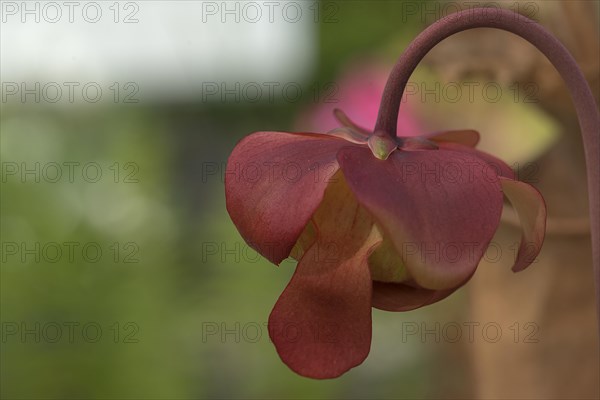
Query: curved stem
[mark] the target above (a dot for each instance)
(587, 110)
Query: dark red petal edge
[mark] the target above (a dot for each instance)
(531, 209)
(274, 182)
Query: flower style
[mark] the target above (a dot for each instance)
(373, 221)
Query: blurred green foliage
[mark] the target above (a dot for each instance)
(160, 202)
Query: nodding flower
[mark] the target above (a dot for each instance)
(375, 219)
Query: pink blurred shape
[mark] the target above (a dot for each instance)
(358, 93)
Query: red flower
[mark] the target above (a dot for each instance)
(374, 222)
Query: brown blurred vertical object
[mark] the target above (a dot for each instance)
(556, 294)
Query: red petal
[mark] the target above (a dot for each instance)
(393, 288)
(418, 143)
(389, 296)
(274, 183)
(497, 166)
(467, 137)
(439, 208)
(531, 208)
(321, 324)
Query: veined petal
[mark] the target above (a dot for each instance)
(417, 143)
(439, 208)
(389, 296)
(466, 137)
(531, 209)
(321, 324)
(497, 166)
(274, 183)
(393, 288)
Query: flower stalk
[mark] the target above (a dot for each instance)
(583, 99)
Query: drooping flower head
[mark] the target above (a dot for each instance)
(386, 221)
(373, 221)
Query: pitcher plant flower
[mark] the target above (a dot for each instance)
(380, 220)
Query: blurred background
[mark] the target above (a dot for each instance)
(122, 275)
